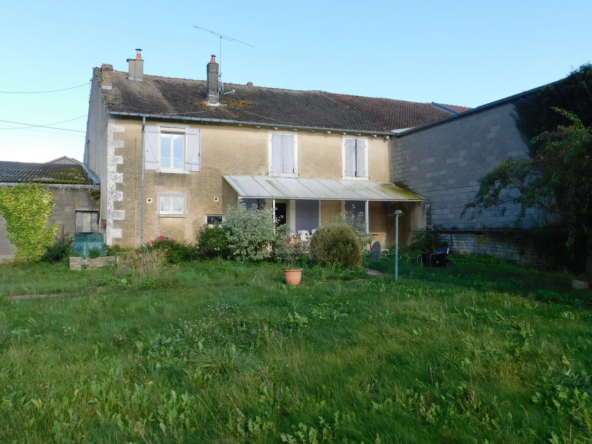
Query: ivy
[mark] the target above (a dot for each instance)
(27, 209)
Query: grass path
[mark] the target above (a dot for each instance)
(225, 353)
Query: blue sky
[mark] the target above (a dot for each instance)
(456, 52)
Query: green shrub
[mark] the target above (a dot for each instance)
(336, 244)
(59, 250)
(212, 242)
(174, 251)
(356, 221)
(94, 253)
(254, 235)
(427, 241)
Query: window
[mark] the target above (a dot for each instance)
(213, 220)
(87, 222)
(283, 154)
(172, 149)
(355, 158)
(172, 205)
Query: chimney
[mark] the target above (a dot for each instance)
(213, 79)
(136, 67)
(106, 76)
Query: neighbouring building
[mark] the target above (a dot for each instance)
(75, 190)
(172, 154)
(443, 162)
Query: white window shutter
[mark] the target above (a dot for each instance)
(361, 158)
(193, 150)
(151, 135)
(288, 154)
(350, 157)
(276, 154)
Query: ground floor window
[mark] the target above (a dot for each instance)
(87, 221)
(172, 205)
(214, 219)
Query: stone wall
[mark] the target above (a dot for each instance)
(443, 163)
(68, 199)
(478, 242)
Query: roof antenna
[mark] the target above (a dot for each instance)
(222, 37)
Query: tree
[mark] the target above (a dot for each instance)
(27, 209)
(557, 178)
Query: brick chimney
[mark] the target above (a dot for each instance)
(213, 97)
(106, 76)
(136, 67)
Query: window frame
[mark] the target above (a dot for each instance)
(83, 210)
(343, 171)
(270, 154)
(209, 224)
(183, 213)
(175, 130)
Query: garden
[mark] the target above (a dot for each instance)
(179, 344)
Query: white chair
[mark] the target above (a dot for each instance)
(313, 231)
(304, 235)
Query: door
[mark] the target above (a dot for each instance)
(281, 213)
(307, 215)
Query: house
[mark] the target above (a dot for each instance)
(75, 191)
(172, 154)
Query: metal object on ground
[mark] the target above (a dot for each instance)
(85, 242)
(375, 251)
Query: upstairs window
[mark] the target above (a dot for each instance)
(172, 149)
(283, 154)
(172, 205)
(355, 158)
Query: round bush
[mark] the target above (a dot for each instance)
(336, 245)
(212, 242)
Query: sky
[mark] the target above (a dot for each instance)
(454, 52)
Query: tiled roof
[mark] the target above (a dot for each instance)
(393, 114)
(454, 109)
(260, 105)
(18, 172)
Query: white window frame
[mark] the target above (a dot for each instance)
(173, 129)
(270, 151)
(172, 214)
(367, 176)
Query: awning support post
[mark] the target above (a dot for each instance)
(273, 213)
(367, 214)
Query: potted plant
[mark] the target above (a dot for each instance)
(293, 249)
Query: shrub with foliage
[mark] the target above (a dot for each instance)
(27, 209)
(336, 244)
(212, 242)
(254, 234)
(174, 251)
(356, 221)
(427, 241)
(59, 250)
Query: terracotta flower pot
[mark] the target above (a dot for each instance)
(293, 277)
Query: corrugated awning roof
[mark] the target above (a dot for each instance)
(264, 187)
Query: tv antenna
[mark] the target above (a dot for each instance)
(221, 37)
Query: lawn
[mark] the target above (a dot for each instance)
(221, 352)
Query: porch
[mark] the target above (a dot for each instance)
(304, 204)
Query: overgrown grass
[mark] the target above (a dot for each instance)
(230, 354)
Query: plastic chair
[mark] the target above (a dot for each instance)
(304, 235)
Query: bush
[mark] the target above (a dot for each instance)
(427, 241)
(336, 244)
(212, 242)
(174, 251)
(94, 253)
(356, 221)
(59, 250)
(254, 235)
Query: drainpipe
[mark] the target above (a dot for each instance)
(142, 196)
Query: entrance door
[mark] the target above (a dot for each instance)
(281, 213)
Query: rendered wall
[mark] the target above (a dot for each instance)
(225, 150)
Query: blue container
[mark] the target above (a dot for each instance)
(85, 242)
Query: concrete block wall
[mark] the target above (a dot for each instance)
(444, 162)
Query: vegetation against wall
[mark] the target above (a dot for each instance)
(27, 209)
